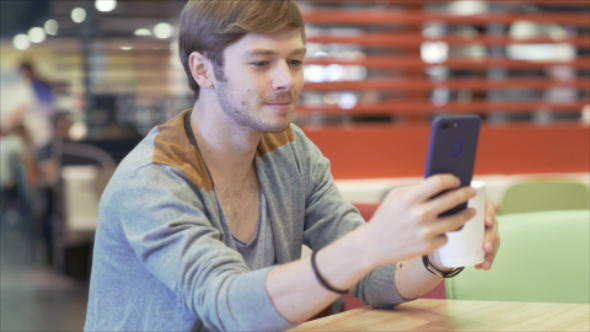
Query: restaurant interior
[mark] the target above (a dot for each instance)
(377, 72)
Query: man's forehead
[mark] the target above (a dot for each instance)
(285, 41)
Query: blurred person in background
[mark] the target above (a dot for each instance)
(37, 117)
(16, 160)
(201, 227)
(52, 191)
(27, 134)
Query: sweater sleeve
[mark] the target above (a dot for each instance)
(164, 219)
(328, 217)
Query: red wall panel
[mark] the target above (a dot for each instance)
(400, 151)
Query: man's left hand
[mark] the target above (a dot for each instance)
(491, 241)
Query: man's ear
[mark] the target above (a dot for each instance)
(201, 69)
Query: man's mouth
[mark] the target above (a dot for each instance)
(282, 106)
(288, 102)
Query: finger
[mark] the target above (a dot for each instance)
(489, 258)
(452, 222)
(490, 212)
(490, 237)
(491, 244)
(490, 221)
(439, 241)
(450, 199)
(434, 185)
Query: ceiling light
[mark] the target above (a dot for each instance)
(467, 7)
(78, 131)
(78, 15)
(21, 42)
(163, 30)
(105, 5)
(37, 35)
(434, 52)
(143, 32)
(51, 27)
(313, 73)
(126, 48)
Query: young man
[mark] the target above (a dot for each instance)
(201, 227)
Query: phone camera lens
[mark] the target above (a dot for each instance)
(445, 126)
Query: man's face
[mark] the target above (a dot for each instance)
(263, 79)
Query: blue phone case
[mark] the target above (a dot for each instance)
(452, 149)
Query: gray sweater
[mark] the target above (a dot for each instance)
(160, 258)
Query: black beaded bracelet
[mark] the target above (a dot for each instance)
(322, 281)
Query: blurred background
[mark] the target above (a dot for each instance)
(82, 81)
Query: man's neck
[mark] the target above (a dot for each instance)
(227, 148)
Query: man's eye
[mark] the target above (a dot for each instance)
(260, 63)
(296, 62)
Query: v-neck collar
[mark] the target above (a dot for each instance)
(283, 234)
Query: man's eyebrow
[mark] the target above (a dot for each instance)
(259, 51)
(302, 50)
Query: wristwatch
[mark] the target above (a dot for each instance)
(438, 272)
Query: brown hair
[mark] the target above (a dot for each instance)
(209, 26)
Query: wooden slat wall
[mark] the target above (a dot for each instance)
(371, 17)
(389, 49)
(390, 62)
(406, 39)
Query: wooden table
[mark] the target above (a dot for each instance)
(459, 315)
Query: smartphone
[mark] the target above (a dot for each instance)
(452, 149)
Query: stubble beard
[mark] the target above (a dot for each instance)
(244, 114)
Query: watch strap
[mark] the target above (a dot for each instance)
(432, 269)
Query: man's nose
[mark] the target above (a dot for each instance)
(283, 79)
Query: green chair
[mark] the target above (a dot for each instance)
(532, 196)
(543, 257)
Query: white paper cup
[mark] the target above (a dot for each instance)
(465, 247)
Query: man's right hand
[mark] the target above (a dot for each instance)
(406, 224)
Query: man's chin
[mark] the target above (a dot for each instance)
(277, 128)
(279, 124)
